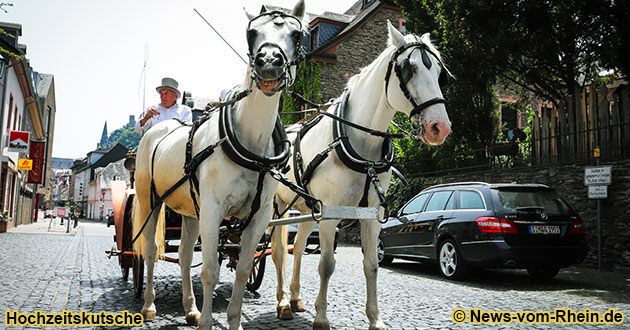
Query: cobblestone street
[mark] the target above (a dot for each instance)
(52, 272)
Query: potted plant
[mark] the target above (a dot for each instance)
(4, 221)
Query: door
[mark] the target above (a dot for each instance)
(439, 208)
(395, 234)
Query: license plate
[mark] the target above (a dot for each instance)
(544, 229)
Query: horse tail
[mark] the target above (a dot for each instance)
(137, 222)
(139, 217)
(160, 232)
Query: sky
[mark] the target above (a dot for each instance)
(96, 50)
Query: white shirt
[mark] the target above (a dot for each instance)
(180, 111)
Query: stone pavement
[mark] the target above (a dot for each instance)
(55, 272)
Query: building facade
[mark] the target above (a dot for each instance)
(28, 105)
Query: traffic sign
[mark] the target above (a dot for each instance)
(25, 164)
(597, 175)
(598, 192)
(61, 212)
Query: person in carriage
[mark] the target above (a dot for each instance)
(167, 109)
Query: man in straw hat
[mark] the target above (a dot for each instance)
(167, 109)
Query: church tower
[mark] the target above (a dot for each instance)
(104, 144)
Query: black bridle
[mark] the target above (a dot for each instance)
(279, 18)
(404, 72)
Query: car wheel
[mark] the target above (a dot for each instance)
(383, 260)
(541, 273)
(450, 260)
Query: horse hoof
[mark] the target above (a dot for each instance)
(148, 315)
(321, 326)
(192, 318)
(284, 313)
(378, 326)
(297, 306)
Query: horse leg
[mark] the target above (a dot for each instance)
(190, 233)
(150, 251)
(210, 218)
(326, 269)
(369, 236)
(249, 242)
(299, 245)
(278, 254)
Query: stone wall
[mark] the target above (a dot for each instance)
(569, 182)
(357, 51)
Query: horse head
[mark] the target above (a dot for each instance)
(420, 73)
(275, 48)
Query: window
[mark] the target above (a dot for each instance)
(438, 201)
(315, 37)
(470, 200)
(10, 110)
(15, 117)
(416, 204)
(366, 3)
(401, 26)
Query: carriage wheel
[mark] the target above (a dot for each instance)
(125, 273)
(138, 276)
(256, 275)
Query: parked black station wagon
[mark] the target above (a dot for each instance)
(479, 225)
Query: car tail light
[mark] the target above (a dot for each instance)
(577, 227)
(496, 225)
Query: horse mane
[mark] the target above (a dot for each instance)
(425, 38)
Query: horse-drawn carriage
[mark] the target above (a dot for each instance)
(336, 166)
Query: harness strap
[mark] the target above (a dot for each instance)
(238, 228)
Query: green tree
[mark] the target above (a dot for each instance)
(471, 101)
(126, 136)
(540, 47)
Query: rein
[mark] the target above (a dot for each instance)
(320, 109)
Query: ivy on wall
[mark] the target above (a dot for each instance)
(307, 83)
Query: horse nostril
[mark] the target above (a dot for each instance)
(278, 60)
(260, 59)
(435, 129)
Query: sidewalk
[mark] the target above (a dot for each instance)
(44, 226)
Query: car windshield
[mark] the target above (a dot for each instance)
(548, 200)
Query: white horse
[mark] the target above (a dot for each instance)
(228, 185)
(371, 100)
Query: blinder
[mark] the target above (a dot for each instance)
(404, 72)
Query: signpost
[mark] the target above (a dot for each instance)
(597, 179)
(597, 175)
(598, 192)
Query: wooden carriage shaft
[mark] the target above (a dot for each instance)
(332, 212)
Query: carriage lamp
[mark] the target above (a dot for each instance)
(130, 162)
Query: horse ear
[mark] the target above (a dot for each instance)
(249, 16)
(396, 38)
(426, 38)
(299, 10)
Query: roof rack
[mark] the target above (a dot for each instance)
(459, 184)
